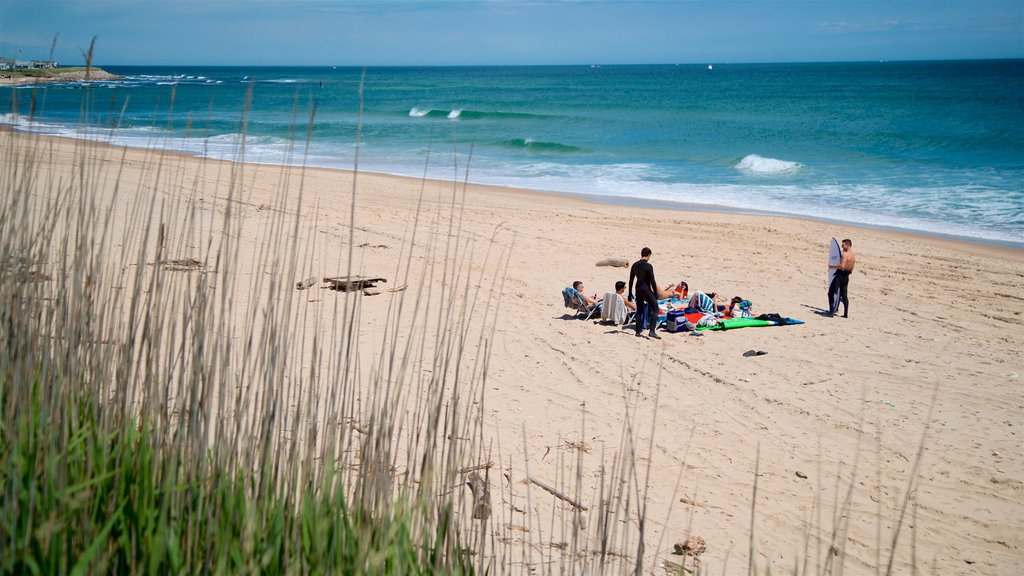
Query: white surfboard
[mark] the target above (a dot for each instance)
(835, 256)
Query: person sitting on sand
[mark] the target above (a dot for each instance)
(620, 289)
(590, 300)
(738, 308)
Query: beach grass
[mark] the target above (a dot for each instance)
(139, 436)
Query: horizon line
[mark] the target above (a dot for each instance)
(589, 64)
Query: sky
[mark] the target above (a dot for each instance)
(502, 32)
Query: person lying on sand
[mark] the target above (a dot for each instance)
(703, 303)
(678, 291)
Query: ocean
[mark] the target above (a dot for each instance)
(933, 147)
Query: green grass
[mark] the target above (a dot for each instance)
(114, 503)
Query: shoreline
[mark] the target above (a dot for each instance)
(721, 209)
(622, 201)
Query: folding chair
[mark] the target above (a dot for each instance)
(572, 298)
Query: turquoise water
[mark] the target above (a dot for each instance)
(936, 147)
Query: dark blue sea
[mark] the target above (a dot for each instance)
(935, 147)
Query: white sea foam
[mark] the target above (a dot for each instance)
(418, 113)
(761, 165)
(866, 204)
(870, 204)
(455, 114)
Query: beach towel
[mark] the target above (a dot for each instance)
(713, 323)
(571, 296)
(703, 303)
(614, 309)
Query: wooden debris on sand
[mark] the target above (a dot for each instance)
(347, 283)
(556, 493)
(692, 546)
(481, 495)
(307, 283)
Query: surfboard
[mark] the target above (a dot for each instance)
(835, 256)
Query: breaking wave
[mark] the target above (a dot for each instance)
(761, 165)
(536, 146)
(463, 114)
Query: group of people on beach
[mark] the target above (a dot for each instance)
(644, 299)
(644, 295)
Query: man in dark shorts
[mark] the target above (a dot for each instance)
(841, 281)
(646, 291)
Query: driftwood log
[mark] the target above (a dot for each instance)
(616, 262)
(468, 469)
(557, 494)
(481, 495)
(347, 283)
(307, 283)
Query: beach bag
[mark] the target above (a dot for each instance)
(743, 310)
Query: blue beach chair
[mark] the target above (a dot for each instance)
(572, 298)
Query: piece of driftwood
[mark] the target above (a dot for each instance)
(481, 496)
(347, 283)
(307, 283)
(692, 546)
(468, 469)
(557, 494)
(616, 262)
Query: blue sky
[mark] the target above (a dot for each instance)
(392, 32)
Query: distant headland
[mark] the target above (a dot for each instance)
(29, 71)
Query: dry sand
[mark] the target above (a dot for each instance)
(833, 401)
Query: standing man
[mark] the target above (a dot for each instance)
(646, 291)
(842, 279)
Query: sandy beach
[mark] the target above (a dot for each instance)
(836, 408)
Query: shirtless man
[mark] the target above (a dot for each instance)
(589, 300)
(842, 278)
(620, 289)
